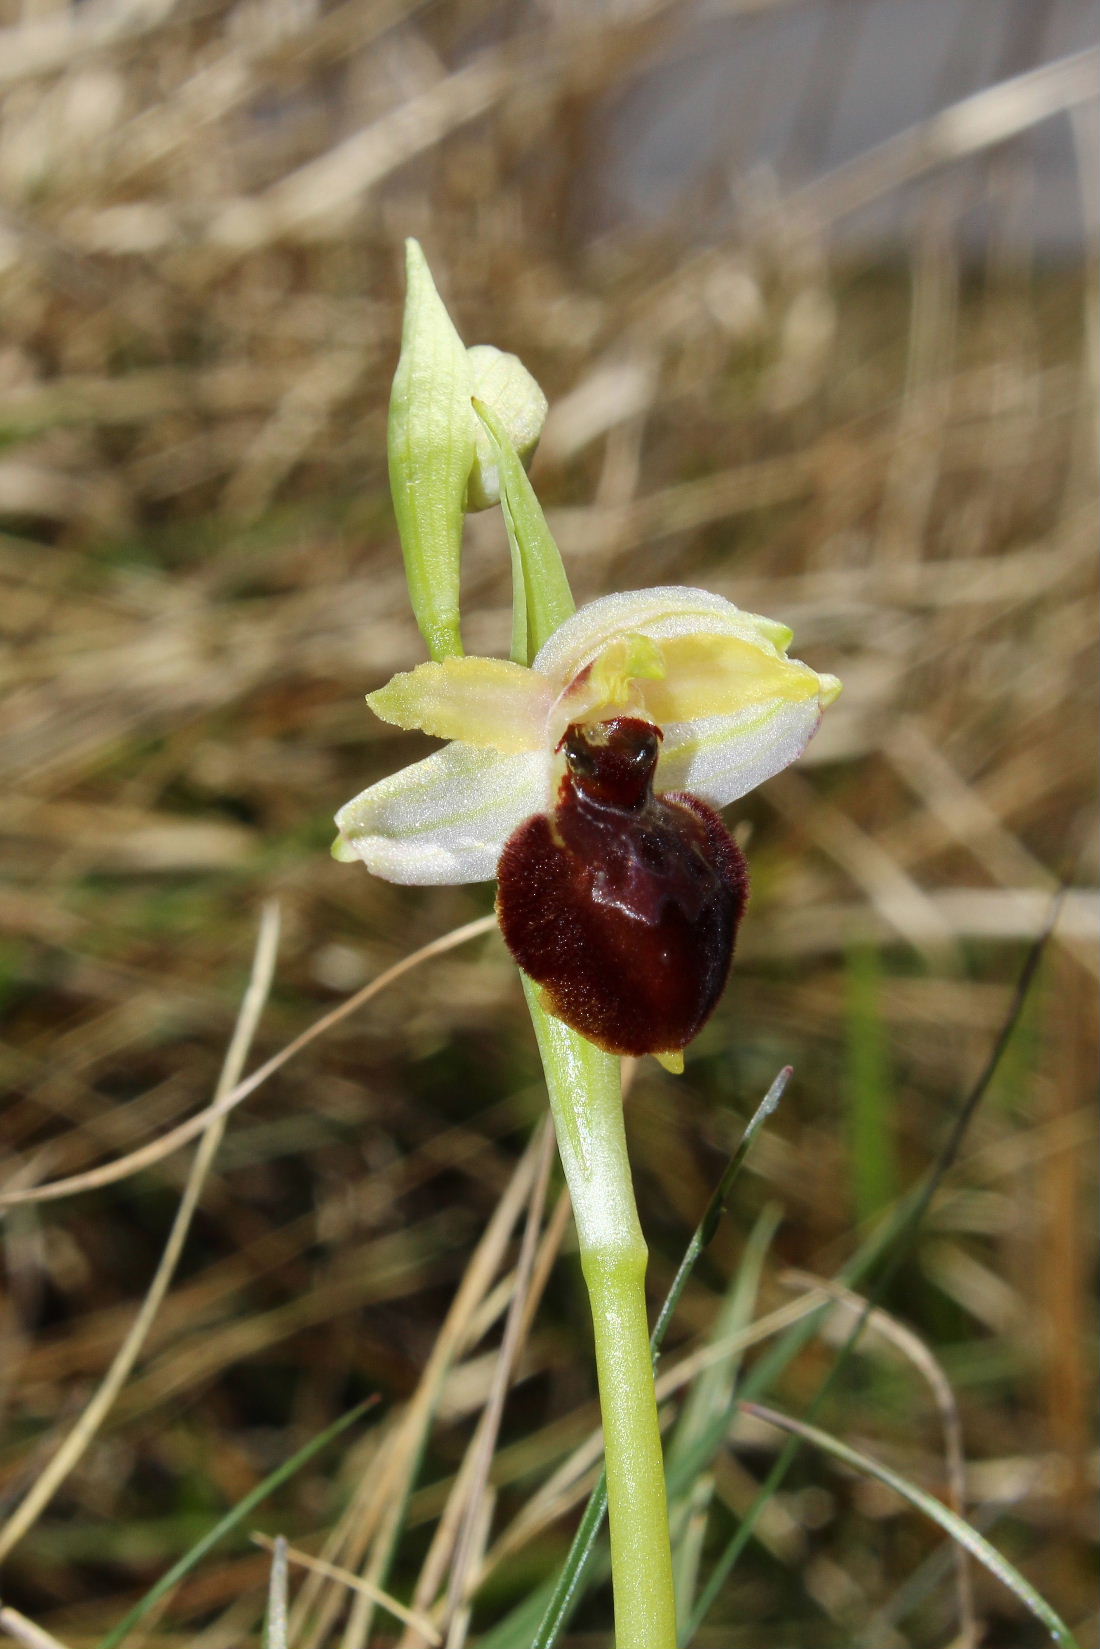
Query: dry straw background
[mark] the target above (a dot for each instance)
(889, 443)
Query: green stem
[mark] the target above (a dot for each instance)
(586, 1101)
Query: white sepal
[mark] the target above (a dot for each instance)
(723, 757)
(444, 819)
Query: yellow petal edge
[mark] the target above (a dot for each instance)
(489, 702)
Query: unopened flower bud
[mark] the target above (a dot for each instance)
(505, 385)
(431, 452)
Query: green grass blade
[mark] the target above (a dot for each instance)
(230, 1521)
(517, 1629)
(710, 1396)
(716, 1207)
(869, 1085)
(952, 1524)
(577, 1572)
(898, 1231)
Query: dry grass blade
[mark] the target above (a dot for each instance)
(354, 1583)
(960, 808)
(899, 901)
(968, 127)
(373, 1520)
(275, 1621)
(479, 1539)
(49, 43)
(463, 1520)
(158, 1149)
(815, 309)
(76, 1443)
(24, 1631)
(318, 198)
(966, 913)
(449, 1557)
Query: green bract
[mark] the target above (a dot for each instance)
(442, 462)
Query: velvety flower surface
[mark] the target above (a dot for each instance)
(733, 710)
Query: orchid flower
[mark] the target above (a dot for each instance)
(733, 710)
(582, 772)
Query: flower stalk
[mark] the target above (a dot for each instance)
(584, 1085)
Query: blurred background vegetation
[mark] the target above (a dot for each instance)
(811, 288)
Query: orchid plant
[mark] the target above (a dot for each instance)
(584, 772)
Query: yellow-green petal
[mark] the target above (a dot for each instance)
(489, 702)
(665, 613)
(613, 683)
(718, 675)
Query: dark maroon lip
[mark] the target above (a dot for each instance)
(621, 904)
